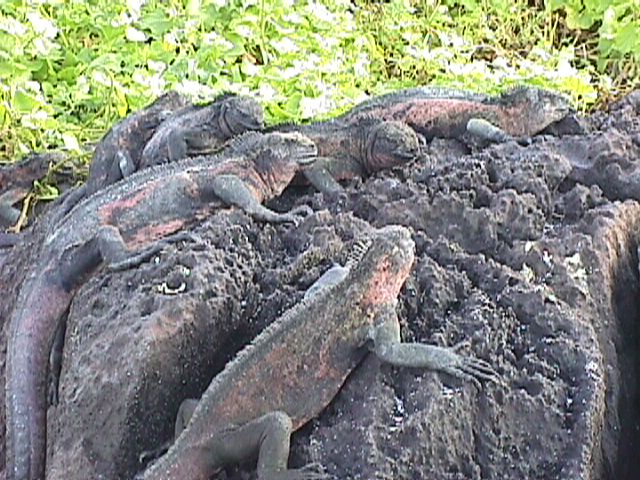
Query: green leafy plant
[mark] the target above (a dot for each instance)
(70, 69)
(616, 24)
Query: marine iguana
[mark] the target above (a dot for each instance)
(448, 113)
(297, 365)
(356, 149)
(122, 225)
(200, 129)
(118, 153)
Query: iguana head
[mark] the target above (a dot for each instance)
(388, 144)
(278, 156)
(537, 107)
(385, 266)
(239, 114)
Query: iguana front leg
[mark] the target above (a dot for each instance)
(122, 166)
(385, 343)
(233, 191)
(319, 175)
(268, 438)
(487, 132)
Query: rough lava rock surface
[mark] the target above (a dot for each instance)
(527, 252)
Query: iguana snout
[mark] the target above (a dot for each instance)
(300, 147)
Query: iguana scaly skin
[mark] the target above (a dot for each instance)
(357, 149)
(297, 365)
(122, 146)
(123, 225)
(448, 113)
(196, 130)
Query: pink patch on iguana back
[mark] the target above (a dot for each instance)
(150, 233)
(110, 211)
(424, 110)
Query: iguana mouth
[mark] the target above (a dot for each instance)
(307, 158)
(306, 151)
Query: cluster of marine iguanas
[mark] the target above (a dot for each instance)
(159, 172)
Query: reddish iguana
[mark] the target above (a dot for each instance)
(297, 365)
(121, 225)
(200, 129)
(357, 149)
(448, 113)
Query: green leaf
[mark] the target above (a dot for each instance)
(627, 39)
(156, 22)
(24, 102)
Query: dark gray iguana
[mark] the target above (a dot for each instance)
(297, 365)
(357, 149)
(119, 152)
(201, 129)
(122, 225)
(448, 113)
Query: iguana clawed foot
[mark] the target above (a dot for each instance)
(467, 368)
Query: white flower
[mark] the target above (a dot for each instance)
(34, 120)
(44, 46)
(250, 69)
(156, 66)
(285, 45)
(154, 82)
(245, 31)
(33, 86)
(171, 39)
(12, 26)
(134, 7)
(290, 72)
(452, 39)
(101, 78)
(361, 67)
(326, 43)
(469, 68)
(238, 88)
(41, 25)
(135, 35)
(82, 85)
(335, 66)
(293, 17)
(194, 89)
(321, 12)
(312, 107)
(266, 92)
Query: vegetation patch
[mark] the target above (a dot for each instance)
(70, 69)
